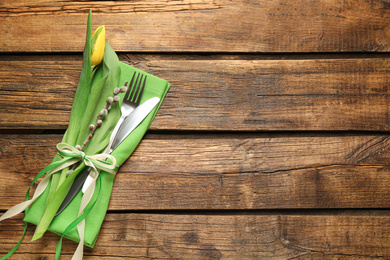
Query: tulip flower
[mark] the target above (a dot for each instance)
(98, 45)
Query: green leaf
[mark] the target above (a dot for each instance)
(110, 71)
(54, 204)
(93, 109)
(82, 92)
(55, 179)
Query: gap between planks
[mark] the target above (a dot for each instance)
(214, 237)
(143, 56)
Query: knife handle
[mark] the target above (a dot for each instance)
(74, 189)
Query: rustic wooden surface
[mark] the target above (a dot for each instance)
(314, 94)
(272, 143)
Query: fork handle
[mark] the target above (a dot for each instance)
(114, 133)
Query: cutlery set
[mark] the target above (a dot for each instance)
(132, 114)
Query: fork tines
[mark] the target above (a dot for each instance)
(135, 90)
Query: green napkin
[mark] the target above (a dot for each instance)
(155, 87)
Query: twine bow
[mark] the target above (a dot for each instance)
(97, 161)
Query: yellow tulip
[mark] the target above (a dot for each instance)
(98, 45)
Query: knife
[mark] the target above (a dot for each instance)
(128, 125)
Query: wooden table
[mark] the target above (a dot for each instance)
(272, 143)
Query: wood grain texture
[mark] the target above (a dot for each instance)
(199, 26)
(225, 172)
(250, 236)
(288, 100)
(248, 95)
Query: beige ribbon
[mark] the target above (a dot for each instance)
(71, 155)
(78, 254)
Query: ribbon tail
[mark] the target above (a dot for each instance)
(13, 250)
(91, 162)
(19, 208)
(78, 255)
(48, 170)
(72, 225)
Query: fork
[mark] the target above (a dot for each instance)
(130, 102)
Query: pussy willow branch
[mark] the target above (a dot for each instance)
(99, 119)
(114, 99)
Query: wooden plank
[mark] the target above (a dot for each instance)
(248, 95)
(225, 171)
(199, 26)
(250, 236)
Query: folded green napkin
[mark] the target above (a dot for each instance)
(155, 87)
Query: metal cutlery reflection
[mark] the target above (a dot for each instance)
(130, 101)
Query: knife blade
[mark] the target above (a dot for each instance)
(128, 125)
